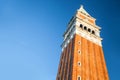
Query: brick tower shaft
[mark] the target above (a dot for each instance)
(82, 55)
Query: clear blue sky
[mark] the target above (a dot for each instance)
(31, 35)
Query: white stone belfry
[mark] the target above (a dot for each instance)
(84, 25)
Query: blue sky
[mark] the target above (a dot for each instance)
(31, 34)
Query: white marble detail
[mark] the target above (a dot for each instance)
(76, 30)
(89, 31)
(89, 37)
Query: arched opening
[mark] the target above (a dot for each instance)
(89, 30)
(93, 32)
(79, 78)
(85, 28)
(79, 51)
(79, 64)
(81, 26)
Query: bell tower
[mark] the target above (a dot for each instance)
(82, 56)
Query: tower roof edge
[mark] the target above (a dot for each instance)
(82, 10)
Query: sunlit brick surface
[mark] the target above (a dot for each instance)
(92, 61)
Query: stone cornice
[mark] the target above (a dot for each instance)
(93, 38)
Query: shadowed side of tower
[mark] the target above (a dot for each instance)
(82, 55)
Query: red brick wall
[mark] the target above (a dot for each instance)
(91, 57)
(92, 60)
